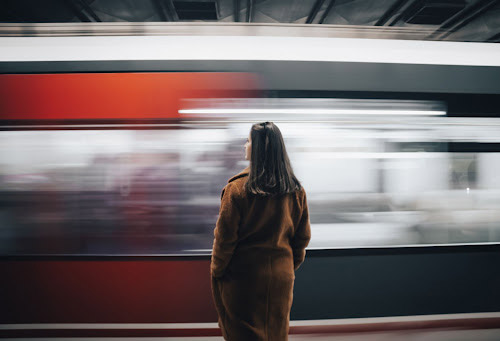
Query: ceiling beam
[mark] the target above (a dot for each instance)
(493, 39)
(160, 9)
(327, 11)
(236, 10)
(396, 6)
(401, 15)
(314, 11)
(170, 10)
(249, 10)
(80, 15)
(89, 10)
(462, 18)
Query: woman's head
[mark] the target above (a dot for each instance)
(270, 169)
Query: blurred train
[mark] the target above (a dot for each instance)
(114, 150)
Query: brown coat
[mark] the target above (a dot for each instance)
(259, 242)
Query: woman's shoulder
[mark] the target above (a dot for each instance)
(301, 193)
(235, 187)
(241, 175)
(237, 181)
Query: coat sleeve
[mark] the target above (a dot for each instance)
(302, 235)
(225, 233)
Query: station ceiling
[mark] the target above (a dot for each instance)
(447, 20)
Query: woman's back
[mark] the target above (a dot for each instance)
(259, 241)
(268, 223)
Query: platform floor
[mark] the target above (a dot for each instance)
(413, 335)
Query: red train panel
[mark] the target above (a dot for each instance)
(129, 291)
(114, 96)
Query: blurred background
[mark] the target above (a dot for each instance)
(377, 173)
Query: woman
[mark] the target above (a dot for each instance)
(260, 239)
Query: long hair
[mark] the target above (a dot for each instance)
(270, 169)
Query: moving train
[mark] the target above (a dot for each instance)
(114, 149)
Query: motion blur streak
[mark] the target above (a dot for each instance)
(372, 180)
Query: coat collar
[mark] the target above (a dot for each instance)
(241, 174)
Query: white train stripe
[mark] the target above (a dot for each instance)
(214, 325)
(97, 48)
(396, 246)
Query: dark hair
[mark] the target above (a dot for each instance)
(270, 169)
